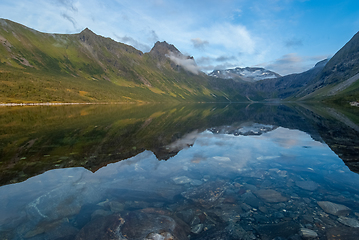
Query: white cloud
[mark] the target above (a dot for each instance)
(139, 25)
(187, 63)
(199, 43)
(69, 4)
(232, 37)
(289, 63)
(70, 19)
(293, 63)
(293, 42)
(213, 29)
(133, 42)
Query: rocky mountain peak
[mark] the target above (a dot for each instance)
(344, 64)
(164, 46)
(86, 34)
(161, 49)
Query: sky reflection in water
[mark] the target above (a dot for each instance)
(243, 166)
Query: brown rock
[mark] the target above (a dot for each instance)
(270, 195)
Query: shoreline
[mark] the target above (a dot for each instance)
(49, 104)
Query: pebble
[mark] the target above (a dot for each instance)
(307, 233)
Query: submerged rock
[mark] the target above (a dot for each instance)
(195, 182)
(222, 159)
(207, 194)
(100, 213)
(116, 206)
(270, 195)
(350, 222)
(197, 228)
(186, 215)
(64, 201)
(249, 199)
(157, 236)
(230, 232)
(307, 185)
(279, 230)
(185, 179)
(181, 180)
(333, 208)
(308, 233)
(56, 229)
(102, 228)
(152, 223)
(340, 233)
(145, 224)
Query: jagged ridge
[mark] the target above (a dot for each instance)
(250, 74)
(87, 67)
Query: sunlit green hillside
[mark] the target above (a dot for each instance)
(85, 67)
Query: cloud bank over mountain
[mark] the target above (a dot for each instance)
(187, 63)
(293, 63)
(254, 32)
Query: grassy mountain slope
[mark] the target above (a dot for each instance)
(85, 67)
(286, 86)
(337, 81)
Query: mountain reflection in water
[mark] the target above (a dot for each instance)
(231, 172)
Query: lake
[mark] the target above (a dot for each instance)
(189, 171)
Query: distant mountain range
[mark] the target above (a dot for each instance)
(249, 74)
(85, 67)
(289, 85)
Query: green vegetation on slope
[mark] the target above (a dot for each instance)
(340, 68)
(350, 94)
(36, 139)
(85, 67)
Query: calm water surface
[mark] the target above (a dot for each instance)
(179, 172)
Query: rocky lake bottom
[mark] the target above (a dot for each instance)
(276, 184)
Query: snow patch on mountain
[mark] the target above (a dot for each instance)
(246, 74)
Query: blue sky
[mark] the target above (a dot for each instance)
(285, 36)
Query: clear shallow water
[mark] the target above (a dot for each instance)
(238, 181)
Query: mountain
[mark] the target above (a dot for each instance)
(338, 80)
(331, 80)
(287, 86)
(249, 74)
(161, 49)
(85, 67)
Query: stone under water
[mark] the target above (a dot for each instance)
(270, 195)
(333, 208)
